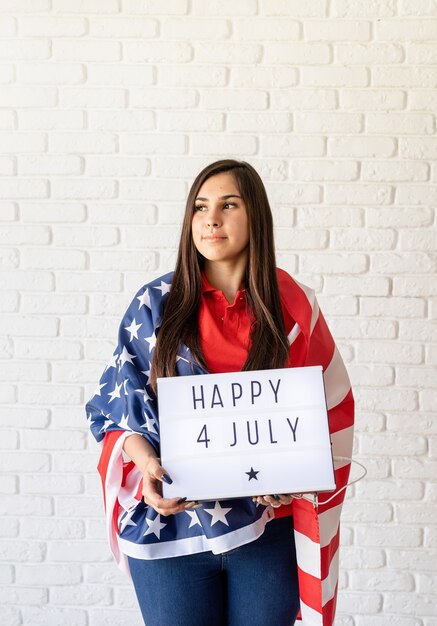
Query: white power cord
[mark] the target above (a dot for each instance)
(315, 496)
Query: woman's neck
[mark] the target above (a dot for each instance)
(228, 278)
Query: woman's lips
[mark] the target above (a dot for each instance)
(213, 238)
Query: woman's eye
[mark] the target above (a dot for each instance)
(199, 207)
(228, 205)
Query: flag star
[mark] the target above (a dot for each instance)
(98, 388)
(125, 357)
(112, 361)
(164, 287)
(194, 519)
(146, 373)
(151, 341)
(115, 393)
(106, 424)
(146, 396)
(181, 358)
(127, 521)
(133, 329)
(149, 424)
(155, 526)
(90, 420)
(218, 513)
(144, 299)
(123, 423)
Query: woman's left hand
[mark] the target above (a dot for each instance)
(279, 500)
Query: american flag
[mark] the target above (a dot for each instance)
(124, 403)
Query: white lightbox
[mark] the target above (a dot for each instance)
(245, 434)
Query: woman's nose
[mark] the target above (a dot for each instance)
(212, 218)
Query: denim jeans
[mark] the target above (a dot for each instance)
(253, 585)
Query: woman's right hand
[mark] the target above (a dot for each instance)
(144, 456)
(153, 477)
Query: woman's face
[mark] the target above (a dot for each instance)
(220, 226)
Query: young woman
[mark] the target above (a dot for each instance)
(247, 561)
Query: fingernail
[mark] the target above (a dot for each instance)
(190, 505)
(166, 479)
(181, 500)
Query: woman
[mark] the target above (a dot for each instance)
(229, 308)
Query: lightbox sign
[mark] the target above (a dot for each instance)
(245, 433)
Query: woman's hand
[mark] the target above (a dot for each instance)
(144, 457)
(153, 477)
(275, 501)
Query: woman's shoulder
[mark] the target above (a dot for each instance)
(160, 284)
(149, 299)
(298, 300)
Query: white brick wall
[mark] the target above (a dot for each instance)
(108, 109)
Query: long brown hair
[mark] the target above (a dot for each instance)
(269, 345)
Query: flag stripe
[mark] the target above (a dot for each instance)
(336, 380)
(310, 617)
(329, 582)
(310, 592)
(308, 553)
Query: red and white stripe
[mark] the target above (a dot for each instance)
(317, 531)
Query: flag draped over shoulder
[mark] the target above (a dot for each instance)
(317, 531)
(124, 403)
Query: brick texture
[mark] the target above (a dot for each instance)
(108, 109)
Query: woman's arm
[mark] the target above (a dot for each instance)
(140, 451)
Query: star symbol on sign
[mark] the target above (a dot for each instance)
(194, 519)
(151, 341)
(164, 287)
(144, 299)
(125, 357)
(218, 513)
(252, 474)
(133, 329)
(155, 526)
(115, 393)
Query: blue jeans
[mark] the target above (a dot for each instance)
(253, 585)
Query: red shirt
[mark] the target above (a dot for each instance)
(224, 329)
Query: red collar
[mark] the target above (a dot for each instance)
(206, 285)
